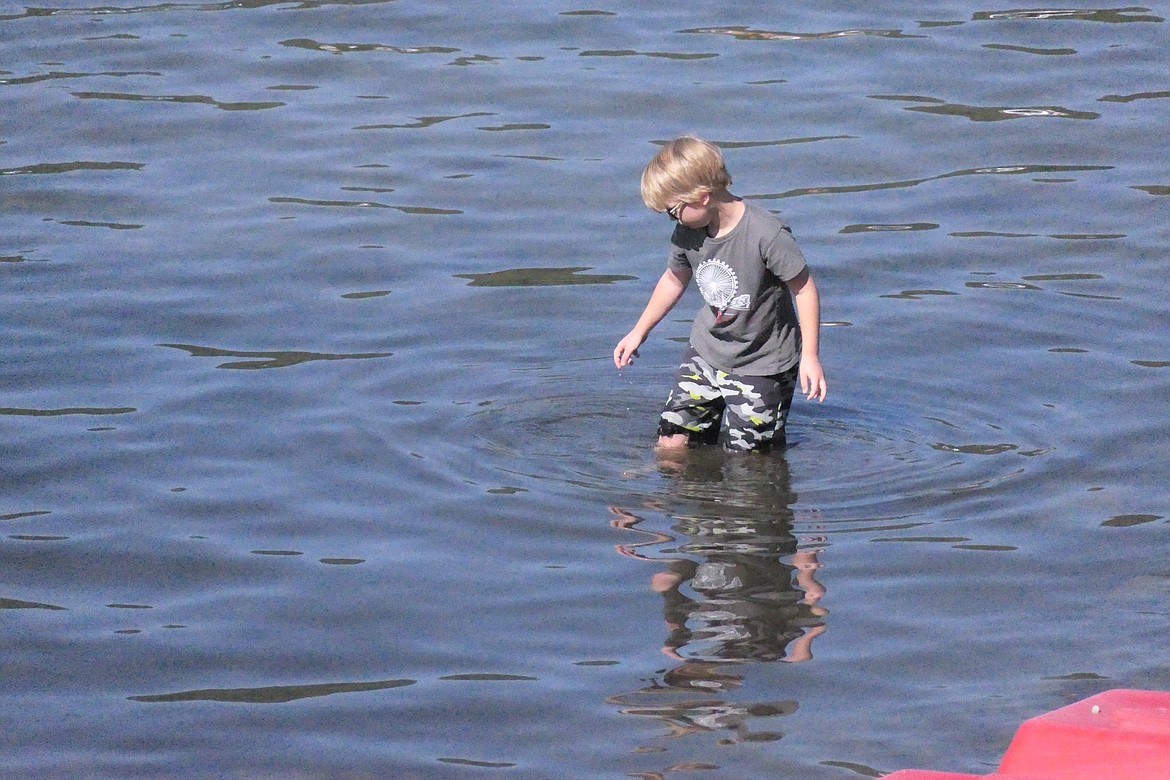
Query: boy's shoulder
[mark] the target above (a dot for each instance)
(765, 218)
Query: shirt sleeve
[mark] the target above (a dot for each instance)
(677, 258)
(783, 257)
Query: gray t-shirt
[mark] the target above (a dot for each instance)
(749, 324)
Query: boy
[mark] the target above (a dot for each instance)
(749, 345)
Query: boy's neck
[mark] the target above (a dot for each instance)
(727, 211)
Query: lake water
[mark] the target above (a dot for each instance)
(315, 464)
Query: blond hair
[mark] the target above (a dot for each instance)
(682, 171)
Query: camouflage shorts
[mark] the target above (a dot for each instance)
(752, 410)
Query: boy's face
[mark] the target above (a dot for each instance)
(692, 215)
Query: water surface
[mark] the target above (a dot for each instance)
(315, 463)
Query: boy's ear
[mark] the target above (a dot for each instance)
(705, 201)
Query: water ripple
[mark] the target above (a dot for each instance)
(228, 5)
(1110, 16)
(70, 167)
(998, 170)
(200, 99)
(344, 48)
(749, 34)
(423, 122)
(84, 410)
(541, 277)
(272, 359)
(632, 53)
(275, 694)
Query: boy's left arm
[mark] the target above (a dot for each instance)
(808, 313)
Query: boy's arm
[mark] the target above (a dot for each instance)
(808, 313)
(667, 292)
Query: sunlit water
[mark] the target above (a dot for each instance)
(315, 464)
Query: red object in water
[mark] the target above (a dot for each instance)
(1118, 735)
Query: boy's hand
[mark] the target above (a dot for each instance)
(626, 350)
(812, 379)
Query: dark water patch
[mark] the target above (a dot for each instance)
(923, 539)
(474, 59)
(1075, 677)
(16, 259)
(1089, 296)
(596, 663)
(506, 490)
(1151, 363)
(1001, 286)
(477, 763)
(1087, 236)
(270, 359)
(293, 87)
(276, 694)
(196, 99)
(427, 211)
(917, 295)
(990, 234)
(18, 604)
(587, 12)
(82, 410)
(129, 606)
(750, 34)
(352, 48)
(358, 296)
(55, 75)
(1029, 49)
(277, 552)
(999, 170)
(1066, 277)
(228, 5)
(424, 122)
(1129, 521)
(534, 157)
(488, 677)
(1069, 350)
(782, 142)
(1137, 96)
(975, 449)
(652, 54)
(362, 204)
(37, 538)
(1154, 189)
(514, 126)
(70, 167)
(1003, 113)
(542, 277)
(986, 547)
(889, 228)
(23, 515)
(109, 225)
(1108, 16)
(342, 561)
(376, 190)
(856, 768)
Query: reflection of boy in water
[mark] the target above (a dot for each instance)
(756, 592)
(749, 610)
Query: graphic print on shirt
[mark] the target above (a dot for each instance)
(719, 284)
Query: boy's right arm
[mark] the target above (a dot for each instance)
(667, 292)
